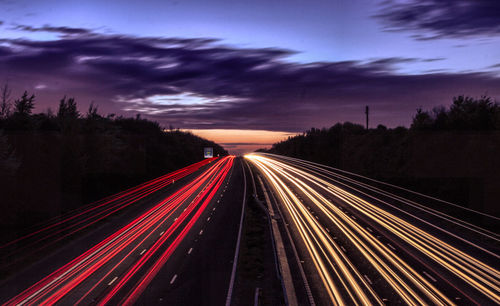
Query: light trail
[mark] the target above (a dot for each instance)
(340, 274)
(115, 263)
(343, 180)
(63, 227)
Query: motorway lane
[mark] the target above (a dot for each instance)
(48, 236)
(361, 253)
(48, 259)
(202, 265)
(113, 270)
(442, 214)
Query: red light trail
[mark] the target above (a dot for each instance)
(77, 220)
(114, 270)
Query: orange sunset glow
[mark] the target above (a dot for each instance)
(242, 141)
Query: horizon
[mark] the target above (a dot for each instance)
(273, 68)
(130, 169)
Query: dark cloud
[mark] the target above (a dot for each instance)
(47, 28)
(433, 19)
(201, 83)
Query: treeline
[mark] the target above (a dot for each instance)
(452, 153)
(55, 161)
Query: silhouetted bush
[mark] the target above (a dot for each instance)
(465, 113)
(451, 153)
(52, 163)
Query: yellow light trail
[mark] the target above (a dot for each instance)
(411, 286)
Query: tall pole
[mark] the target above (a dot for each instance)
(367, 111)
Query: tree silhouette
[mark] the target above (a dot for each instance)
(68, 109)
(422, 120)
(466, 113)
(92, 112)
(24, 106)
(8, 161)
(5, 104)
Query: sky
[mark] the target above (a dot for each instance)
(249, 73)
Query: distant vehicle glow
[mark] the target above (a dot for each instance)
(208, 152)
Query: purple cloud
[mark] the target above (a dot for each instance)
(201, 83)
(433, 19)
(48, 28)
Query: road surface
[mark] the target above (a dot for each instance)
(361, 245)
(179, 250)
(334, 238)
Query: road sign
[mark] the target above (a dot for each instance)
(208, 152)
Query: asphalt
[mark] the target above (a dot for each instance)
(197, 272)
(202, 276)
(201, 267)
(451, 285)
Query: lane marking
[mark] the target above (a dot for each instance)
(190, 250)
(368, 279)
(369, 229)
(143, 251)
(393, 248)
(162, 233)
(201, 232)
(427, 274)
(173, 279)
(112, 281)
(208, 219)
(238, 241)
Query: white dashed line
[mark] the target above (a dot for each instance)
(432, 278)
(143, 251)
(343, 249)
(201, 232)
(213, 209)
(162, 233)
(368, 280)
(393, 248)
(112, 281)
(173, 279)
(326, 228)
(208, 219)
(369, 229)
(190, 250)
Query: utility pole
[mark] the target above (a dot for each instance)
(367, 111)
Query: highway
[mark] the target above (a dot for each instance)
(184, 242)
(359, 244)
(334, 238)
